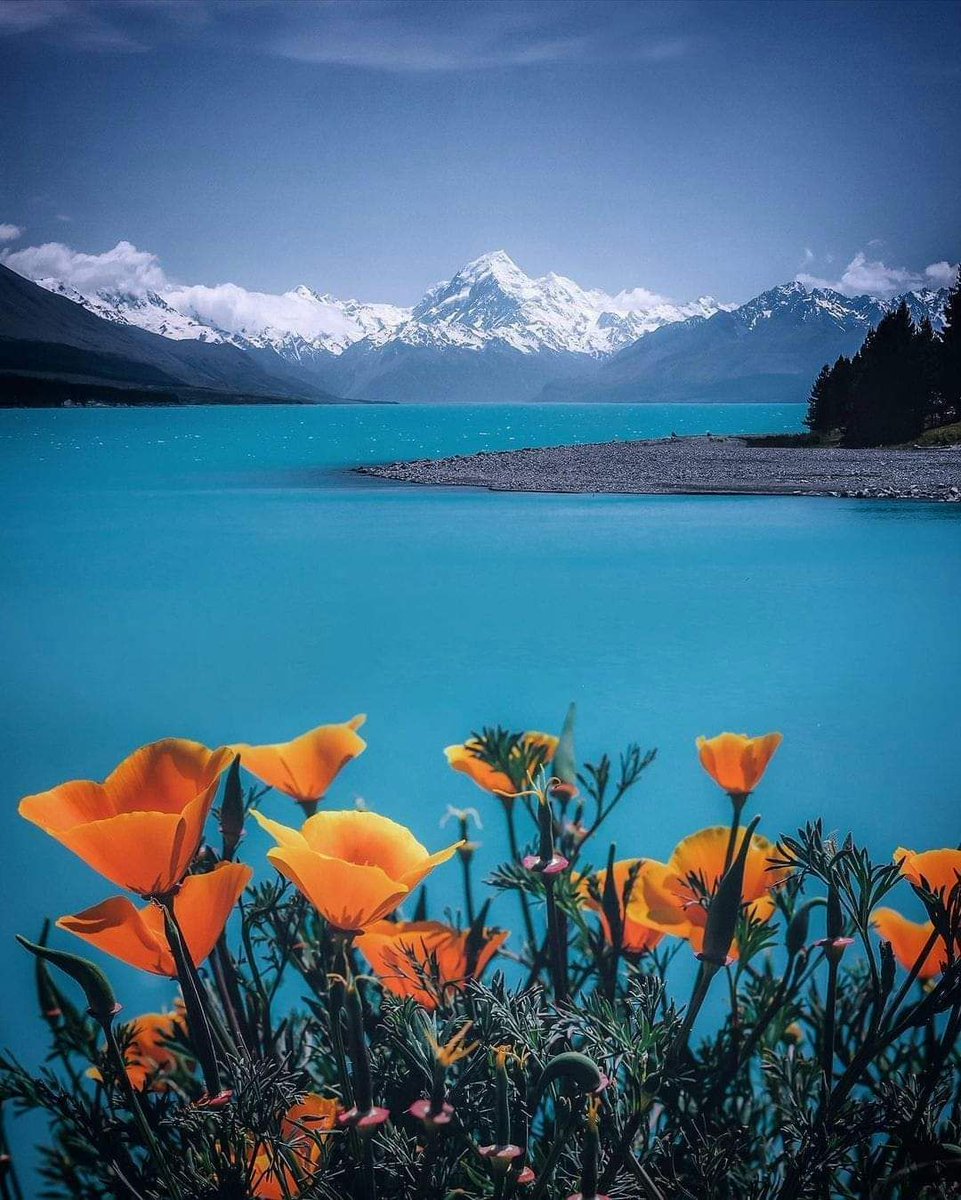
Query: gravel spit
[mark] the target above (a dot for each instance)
(695, 466)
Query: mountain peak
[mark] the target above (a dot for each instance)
(497, 263)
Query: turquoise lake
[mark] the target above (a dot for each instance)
(219, 574)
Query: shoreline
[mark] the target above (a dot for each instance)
(707, 465)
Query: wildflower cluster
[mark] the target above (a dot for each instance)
(747, 1019)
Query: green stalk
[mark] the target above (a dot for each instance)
(120, 1067)
(516, 858)
(197, 1023)
(558, 969)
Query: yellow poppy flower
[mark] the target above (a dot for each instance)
(735, 761)
(908, 939)
(937, 871)
(670, 894)
(148, 1059)
(638, 934)
(143, 825)
(354, 867)
(388, 946)
(305, 767)
(463, 758)
(305, 1130)
(136, 936)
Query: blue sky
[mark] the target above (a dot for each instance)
(369, 149)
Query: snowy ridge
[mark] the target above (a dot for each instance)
(490, 301)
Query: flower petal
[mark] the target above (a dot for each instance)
(306, 766)
(348, 895)
(118, 928)
(283, 834)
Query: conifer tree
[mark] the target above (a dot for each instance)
(888, 400)
(950, 354)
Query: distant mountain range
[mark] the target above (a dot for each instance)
(55, 348)
(490, 333)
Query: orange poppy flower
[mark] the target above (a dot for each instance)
(304, 1130)
(464, 759)
(136, 936)
(670, 894)
(143, 825)
(936, 871)
(388, 947)
(148, 1058)
(306, 767)
(354, 867)
(908, 939)
(638, 935)
(735, 761)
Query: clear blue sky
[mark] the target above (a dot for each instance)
(370, 148)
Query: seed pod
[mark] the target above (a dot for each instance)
(796, 935)
(565, 757)
(726, 905)
(101, 1001)
(232, 810)
(581, 1070)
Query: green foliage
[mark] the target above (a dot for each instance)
(813, 1071)
(904, 380)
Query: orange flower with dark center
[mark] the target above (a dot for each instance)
(638, 935)
(464, 758)
(908, 940)
(305, 1130)
(354, 867)
(148, 1058)
(136, 936)
(737, 762)
(937, 871)
(423, 958)
(143, 825)
(306, 767)
(671, 895)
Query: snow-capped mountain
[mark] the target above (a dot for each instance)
(492, 332)
(769, 349)
(491, 300)
(147, 311)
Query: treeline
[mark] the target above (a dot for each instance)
(905, 378)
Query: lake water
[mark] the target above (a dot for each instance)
(219, 574)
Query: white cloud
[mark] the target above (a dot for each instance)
(233, 308)
(10, 233)
(941, 274)
(122, 269)
(125, 269)
(871, 277)
(638, 300)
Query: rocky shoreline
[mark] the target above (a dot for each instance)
(695, 466)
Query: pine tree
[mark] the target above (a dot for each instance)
(888, 399)
(816, 419)
(950, 354)
(830, 398)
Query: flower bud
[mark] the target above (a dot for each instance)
(101, 1001)
(726, 906)
(232, 810)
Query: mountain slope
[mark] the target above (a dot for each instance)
(769, 349)
(492, 333)
(42, 333)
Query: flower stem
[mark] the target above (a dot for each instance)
(197, 1023)
(516, 858)
(120, 1067)
(828, 1037)
(555, 934)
